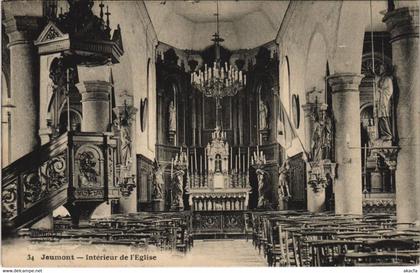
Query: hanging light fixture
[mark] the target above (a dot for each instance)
(220, 80)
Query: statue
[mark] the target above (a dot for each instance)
(262, 201)
(283, 189)
(157, 182)
(218, 164)
(384, 92)
(322, 137)
(177, 189)
(263, 110)
(172, 116)
(317, 137)
(125, 145)
(327, 137)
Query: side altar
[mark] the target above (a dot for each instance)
(223, 185)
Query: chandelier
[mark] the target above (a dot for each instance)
(220, 80)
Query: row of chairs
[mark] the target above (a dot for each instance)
(166, 231)
(290, 238)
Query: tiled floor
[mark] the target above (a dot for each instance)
(224, 253)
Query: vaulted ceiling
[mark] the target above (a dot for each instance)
(191, 24)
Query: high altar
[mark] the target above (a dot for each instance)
(221, 186)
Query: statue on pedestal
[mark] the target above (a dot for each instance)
(178, 190)
(384, 92)
(172, 117)
(125, 136)
(263, 111)
(261, 176)
(322, 136)
(283, 189)
(157, 182)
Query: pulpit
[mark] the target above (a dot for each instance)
(223, 183)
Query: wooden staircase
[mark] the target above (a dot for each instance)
(73, 169)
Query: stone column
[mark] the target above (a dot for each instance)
(346, 103)
(308, 108)
(95, 106)
(22, 30)
(403, 24)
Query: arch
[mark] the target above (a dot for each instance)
(316, 62)
(61, 212)
(148, 78)
(285, 83)
(347, 55)
(5, 63)
(75, 120)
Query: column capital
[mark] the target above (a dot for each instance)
(403, 23)
(22, 29)
(345, 82)
(95, 90)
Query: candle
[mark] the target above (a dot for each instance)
(258, 149)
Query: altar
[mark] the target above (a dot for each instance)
(223, 184)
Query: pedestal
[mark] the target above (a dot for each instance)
(283, 204)
(158, 205)
(265, 133)
(171, 137)
(403, 24)
(375, 182)
(316, 200)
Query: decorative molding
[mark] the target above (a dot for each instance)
(345, 82)
(22, 29)
(403, 23)
(50, 33)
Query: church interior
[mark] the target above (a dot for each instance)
(286, 131)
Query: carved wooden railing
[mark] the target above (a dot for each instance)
(65, 169)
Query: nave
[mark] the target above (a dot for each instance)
(276, 238)
(168, 131)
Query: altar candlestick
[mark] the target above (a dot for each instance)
(205, 159)
(172, 168)
(258, 150)
(237, 162)
(248, 157)
(195, 159)
(231, 159)
(201, 165)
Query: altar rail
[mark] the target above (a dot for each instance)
(211, 224)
